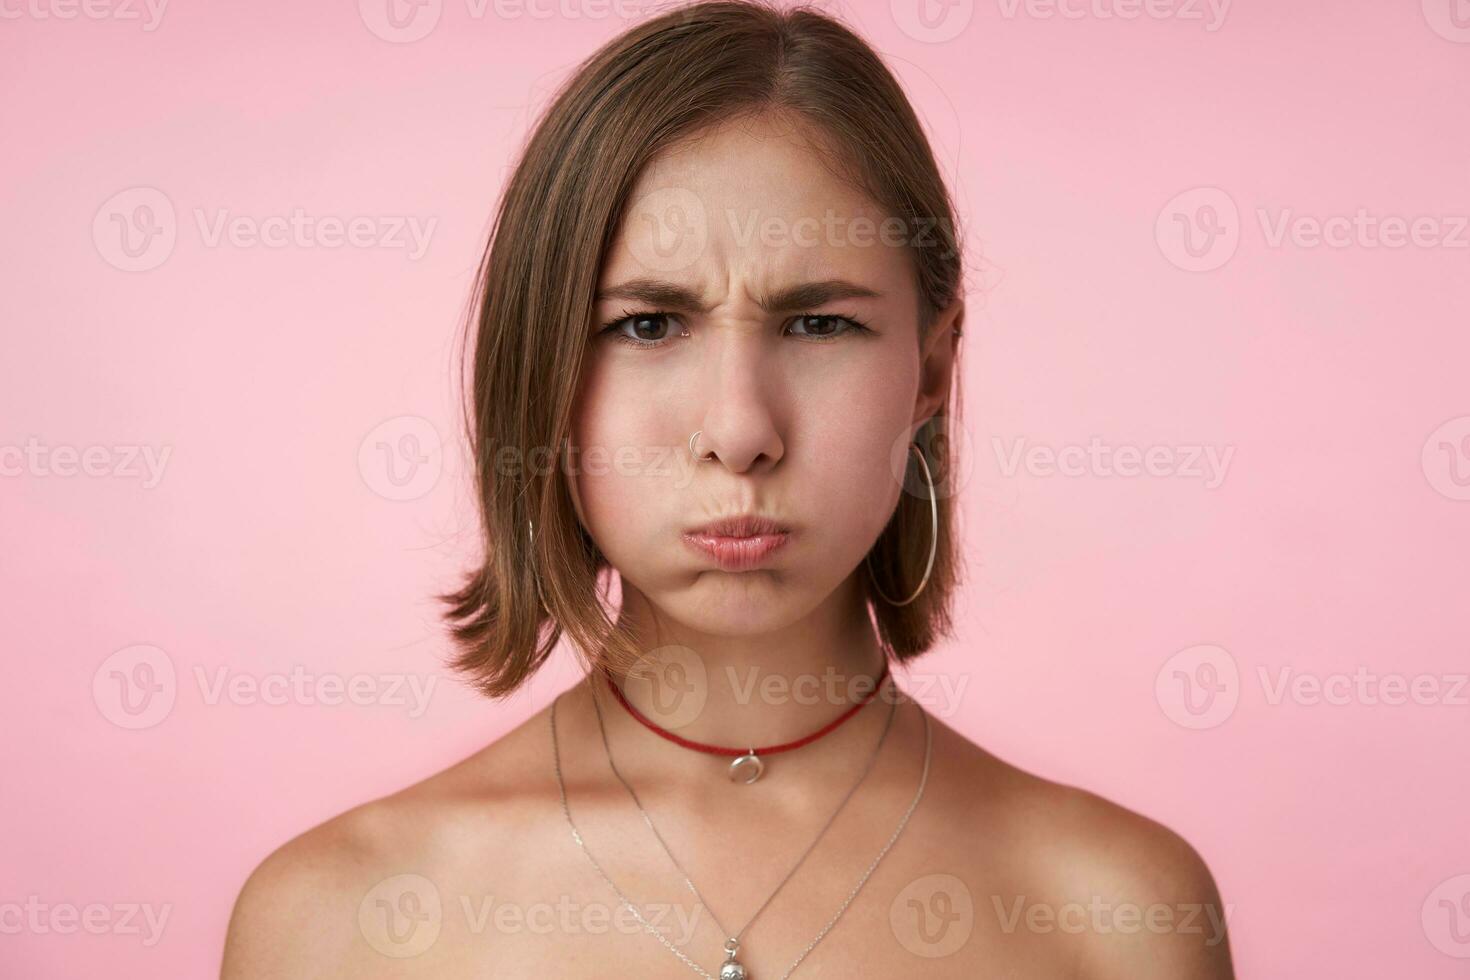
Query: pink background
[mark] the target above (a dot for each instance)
(1335, 542)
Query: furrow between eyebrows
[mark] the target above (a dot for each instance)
(797, 298)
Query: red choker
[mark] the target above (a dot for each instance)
(747, 759)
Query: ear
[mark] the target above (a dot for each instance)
(936, 367)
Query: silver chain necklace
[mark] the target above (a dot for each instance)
(733, 943)
(731, 969)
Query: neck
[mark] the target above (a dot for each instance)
(752, 690)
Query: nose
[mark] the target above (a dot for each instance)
(739, 421)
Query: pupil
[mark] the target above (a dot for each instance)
(641, 324)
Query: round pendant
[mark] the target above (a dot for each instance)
(747, 768)
(732, 969)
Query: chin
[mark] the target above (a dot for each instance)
(739, 603)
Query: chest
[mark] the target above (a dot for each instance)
(928, 908)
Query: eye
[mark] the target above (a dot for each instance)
(825, 326)
(649, 329)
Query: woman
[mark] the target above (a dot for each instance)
(717, 345)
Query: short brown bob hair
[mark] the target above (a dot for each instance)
(659, 82)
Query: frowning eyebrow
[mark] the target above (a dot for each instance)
(792, 299)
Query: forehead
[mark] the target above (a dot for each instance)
(754, 197)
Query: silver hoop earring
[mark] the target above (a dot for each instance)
(933, 543)
(694, 453)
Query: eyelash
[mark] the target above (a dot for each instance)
(609, 328)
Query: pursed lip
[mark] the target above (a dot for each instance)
(741, 543)
(741, 526)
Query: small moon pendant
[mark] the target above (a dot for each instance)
(748, 766)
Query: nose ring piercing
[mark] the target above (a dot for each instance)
(695, 453)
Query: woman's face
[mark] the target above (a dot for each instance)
(807, 413)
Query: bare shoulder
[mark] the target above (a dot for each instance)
(307, 908)
(1126, 894)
